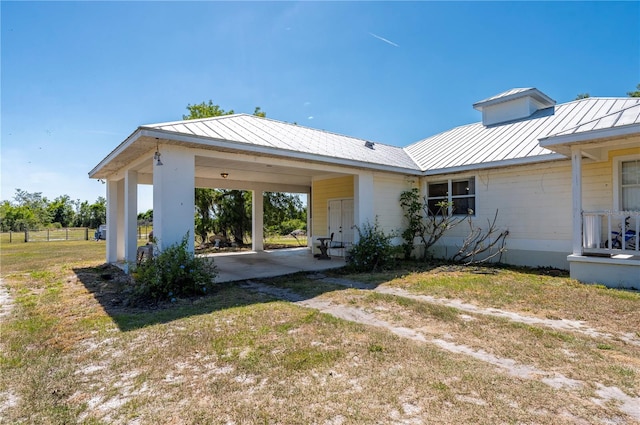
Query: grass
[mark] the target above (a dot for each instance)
(285, 241)
(70, 353)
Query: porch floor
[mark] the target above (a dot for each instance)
(236, 266)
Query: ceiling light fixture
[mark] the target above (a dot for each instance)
(156, 156)
(224, 175)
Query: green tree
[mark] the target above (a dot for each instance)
(16, 218)
(61, 211)
(146, 216)
(206, 110)
(233, 213)
(37, 204)
(205, 203)
(283, 212)
(228, 212)
(635, 93)
(98, 213)
(582, 96)
(216, 210)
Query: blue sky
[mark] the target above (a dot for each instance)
(78, 77)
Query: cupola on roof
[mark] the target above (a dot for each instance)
(513, 105)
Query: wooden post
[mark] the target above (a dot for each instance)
(26, 235)
(47, 235)
(86, 233)
(10, 235)
(66, 233)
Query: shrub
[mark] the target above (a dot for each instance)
(374, 250)
(288, 226)
(174, 272)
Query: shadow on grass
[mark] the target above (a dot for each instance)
(111, 287)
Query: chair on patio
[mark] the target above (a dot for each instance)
(323, 246)
(336, 244)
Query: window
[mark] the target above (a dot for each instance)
(461, 194)
(630, 185)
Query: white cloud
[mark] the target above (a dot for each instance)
(383, 39)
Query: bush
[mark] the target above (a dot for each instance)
(373, 251)
(288, 226)
(174, 272)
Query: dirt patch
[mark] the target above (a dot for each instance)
(604, 394)
(6, 302)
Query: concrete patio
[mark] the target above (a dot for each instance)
(262, 264)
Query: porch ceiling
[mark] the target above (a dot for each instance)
(209, 169)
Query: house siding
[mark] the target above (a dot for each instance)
(597, 180)
(597, 184)
(388, 211)
(533, 203)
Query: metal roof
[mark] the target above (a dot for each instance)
(473, 146)
(476, 144)
(282, 136)
(628, 115)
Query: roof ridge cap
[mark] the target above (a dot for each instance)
(158, 124)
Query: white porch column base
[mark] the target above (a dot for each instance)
(576, 193)
(257, 222)
(363, 201)
(174, 197)
(130, 215)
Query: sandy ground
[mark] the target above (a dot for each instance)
(628, 405)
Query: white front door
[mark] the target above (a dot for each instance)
(341, 221)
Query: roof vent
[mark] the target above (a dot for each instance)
(369, 145)
(513, 105)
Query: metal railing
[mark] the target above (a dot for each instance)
(611, 232)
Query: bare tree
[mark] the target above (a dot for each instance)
(482, 245)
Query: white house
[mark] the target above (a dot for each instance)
(565, 179)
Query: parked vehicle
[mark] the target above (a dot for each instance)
(101, 233)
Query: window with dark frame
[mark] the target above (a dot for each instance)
(460, 193)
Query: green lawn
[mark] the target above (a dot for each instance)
(411, 349)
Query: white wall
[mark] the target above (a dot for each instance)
(533, 203)
(386, 202)
(507, 111)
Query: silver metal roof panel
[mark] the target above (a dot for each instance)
(274, 134)
(472, 146)
(475, 144)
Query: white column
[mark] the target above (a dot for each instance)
(120, 221)
(130, 215)
(112, 221)
(174, 197)
(257, 220)
(576, 191)
(363, 201)
(309, 220)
